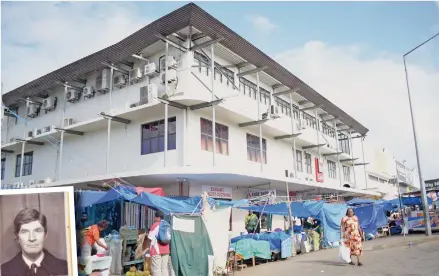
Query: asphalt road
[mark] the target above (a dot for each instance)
(418, 260)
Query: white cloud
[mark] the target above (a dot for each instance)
(373, 91)
(261, 24)
(36, 43)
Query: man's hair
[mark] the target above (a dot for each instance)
(159, 214)
(103, 224)
(29, 215)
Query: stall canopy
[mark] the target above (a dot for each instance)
(371, 217)
(154, 191)
(409, 201)
(357, 202)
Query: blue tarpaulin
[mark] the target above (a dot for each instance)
(275, 239)
(360, 202)
(409, 201)
(371, 217)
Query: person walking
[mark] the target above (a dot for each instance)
(351, 235)
(158, 250)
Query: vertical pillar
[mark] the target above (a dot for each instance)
(338, 150)
(293, 129)
(107, 167)
(364, 161)
(258, 98)
(165, 150)
(352, 156)
(212, 79)
(318, 132)
(184, 137)
(61, 146)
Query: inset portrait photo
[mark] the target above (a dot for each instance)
(37, 232)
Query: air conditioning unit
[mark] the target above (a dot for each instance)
(48, 129)
(72, 95)
(30, 134)
(88, 91)
(103, 81)
(171, 62)
(149, 69)
(119, 81)
(136, 74)
(172, 76)
(274, 111)
(68, 122)
(49, 103)
(148, 94)
(32, 110)
(31, 182)
(38, 132)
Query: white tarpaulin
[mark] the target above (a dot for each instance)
(217, 225)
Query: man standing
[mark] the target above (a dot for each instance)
(251, 222)
(159, 252)
(30, 229)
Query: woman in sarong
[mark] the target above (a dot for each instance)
(352, 235)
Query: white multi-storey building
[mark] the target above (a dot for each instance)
(142, 110)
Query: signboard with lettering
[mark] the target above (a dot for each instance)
(261, 193)
(217, 192)
(404, 174)
(432, 184)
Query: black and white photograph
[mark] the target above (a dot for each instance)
(37, 233)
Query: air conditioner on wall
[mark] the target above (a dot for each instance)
(32, 110)
(136, 74)
(38, 131)
(48, 103)
(274, 111)
(72, 95)
(119, 81)
(88, 91)
(31, 182)
(103, 81)
(149, 69)
(148, 94)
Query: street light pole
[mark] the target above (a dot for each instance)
(422, 184)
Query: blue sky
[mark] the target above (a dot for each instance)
(350, 52)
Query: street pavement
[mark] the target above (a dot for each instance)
(398, 259)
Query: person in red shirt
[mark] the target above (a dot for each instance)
(159, 252)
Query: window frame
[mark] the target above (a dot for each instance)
(160, 124)
(347, 173)
(308, 165)
(299, 164)
(254, 150)
(332, 169)
(27, 164)
(219, 139)
(3, 168)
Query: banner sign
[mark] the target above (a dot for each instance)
(432, 184)
(261, 193)
(404, 174)
(217, 192)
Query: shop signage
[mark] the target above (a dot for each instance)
(217, 192)
(259, 193)
(319, 170)
(432, 184)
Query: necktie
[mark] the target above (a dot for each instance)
(33, 269)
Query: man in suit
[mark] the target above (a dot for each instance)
(30, 230)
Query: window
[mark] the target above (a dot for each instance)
(153, 138)
(265, 96)
(248, 88)
(3, 168)
(310, 120)
(299, 164)
(27, 164)
(343, 141)
(328, 130)
(308, 163)
(221, 133)
(254, 150)
(332, 169)
(347, 173)
(284, 106)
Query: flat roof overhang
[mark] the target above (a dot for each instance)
(188, 15)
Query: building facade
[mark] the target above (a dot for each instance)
(142, 111)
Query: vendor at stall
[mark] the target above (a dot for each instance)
(251, 222)
(92, 235)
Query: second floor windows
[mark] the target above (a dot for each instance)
(343, 141)
(299, 164)
(221, 133)
(254, 149)
(308, 163)
(153, 136)
(332, 169)
(347, 173)
(204, 63)
(27, 164)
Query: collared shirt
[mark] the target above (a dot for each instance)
(37, 262)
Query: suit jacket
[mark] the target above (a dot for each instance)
(50, 266)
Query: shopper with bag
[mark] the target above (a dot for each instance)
(351, 235)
